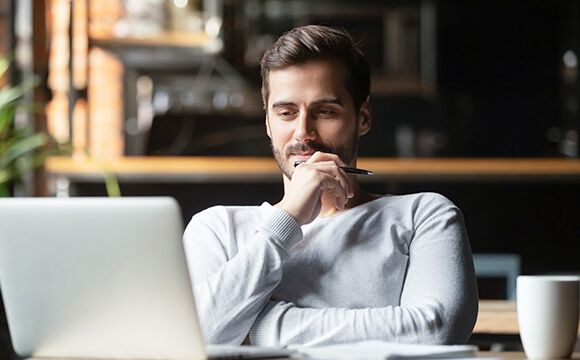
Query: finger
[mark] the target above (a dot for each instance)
(331, 168)
(347, 184)
(320, 156)
(338, 190)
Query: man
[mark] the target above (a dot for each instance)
(329, 263)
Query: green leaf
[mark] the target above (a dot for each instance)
(9, 95)
(4, 65)
(4, 191)
(6, 119)
(5, 176)
(21, 147)
(20, 150)
(111, 184)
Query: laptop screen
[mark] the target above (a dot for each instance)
(97, 277)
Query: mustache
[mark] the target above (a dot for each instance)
(310, 147)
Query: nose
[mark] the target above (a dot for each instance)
(305, 129)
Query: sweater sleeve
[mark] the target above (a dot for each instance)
(231, 292)
(438, 303)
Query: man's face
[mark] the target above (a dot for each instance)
(309, 110)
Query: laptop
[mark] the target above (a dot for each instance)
(93, 277)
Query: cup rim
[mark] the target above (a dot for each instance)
(561, 278)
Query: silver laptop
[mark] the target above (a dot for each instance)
(100, 278)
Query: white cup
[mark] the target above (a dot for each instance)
(548, 310)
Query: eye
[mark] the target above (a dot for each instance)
(326, 113)
(285, 113)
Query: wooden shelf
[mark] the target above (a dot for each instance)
(473, 169)
(402, 87)
(244, 169)
(173, 39)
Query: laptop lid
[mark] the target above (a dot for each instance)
(97, 277)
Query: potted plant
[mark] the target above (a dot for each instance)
(21, 150)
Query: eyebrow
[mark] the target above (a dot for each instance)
(282, 103)
(315, 102)
(327, 101)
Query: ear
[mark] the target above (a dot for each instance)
(268, 131)
(364, 118)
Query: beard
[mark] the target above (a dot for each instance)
(346, 153)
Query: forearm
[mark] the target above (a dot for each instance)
(229, 301)
(231, 292)
(282, 324)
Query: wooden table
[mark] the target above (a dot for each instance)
(497, 317)
(512, 355)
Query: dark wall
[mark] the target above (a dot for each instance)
(499, 82)
(499, 74)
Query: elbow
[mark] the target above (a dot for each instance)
(464, 321)
(458, 325)
(436, 328)
(223, 337)
(436, 325)
(217, 330)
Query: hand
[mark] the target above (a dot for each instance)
(320, 174)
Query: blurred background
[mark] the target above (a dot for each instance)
(451, 79)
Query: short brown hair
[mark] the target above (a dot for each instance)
(315, 42)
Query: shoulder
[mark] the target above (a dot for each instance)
(224, 217)
(417, 208)
(415, 202)
(218, 227)
(221, 211)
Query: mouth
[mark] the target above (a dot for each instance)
(300, 156)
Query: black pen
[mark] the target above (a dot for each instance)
(347, 170)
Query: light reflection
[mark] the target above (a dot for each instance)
(180, 3)
(570, 59)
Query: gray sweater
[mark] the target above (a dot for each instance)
(396, 269)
